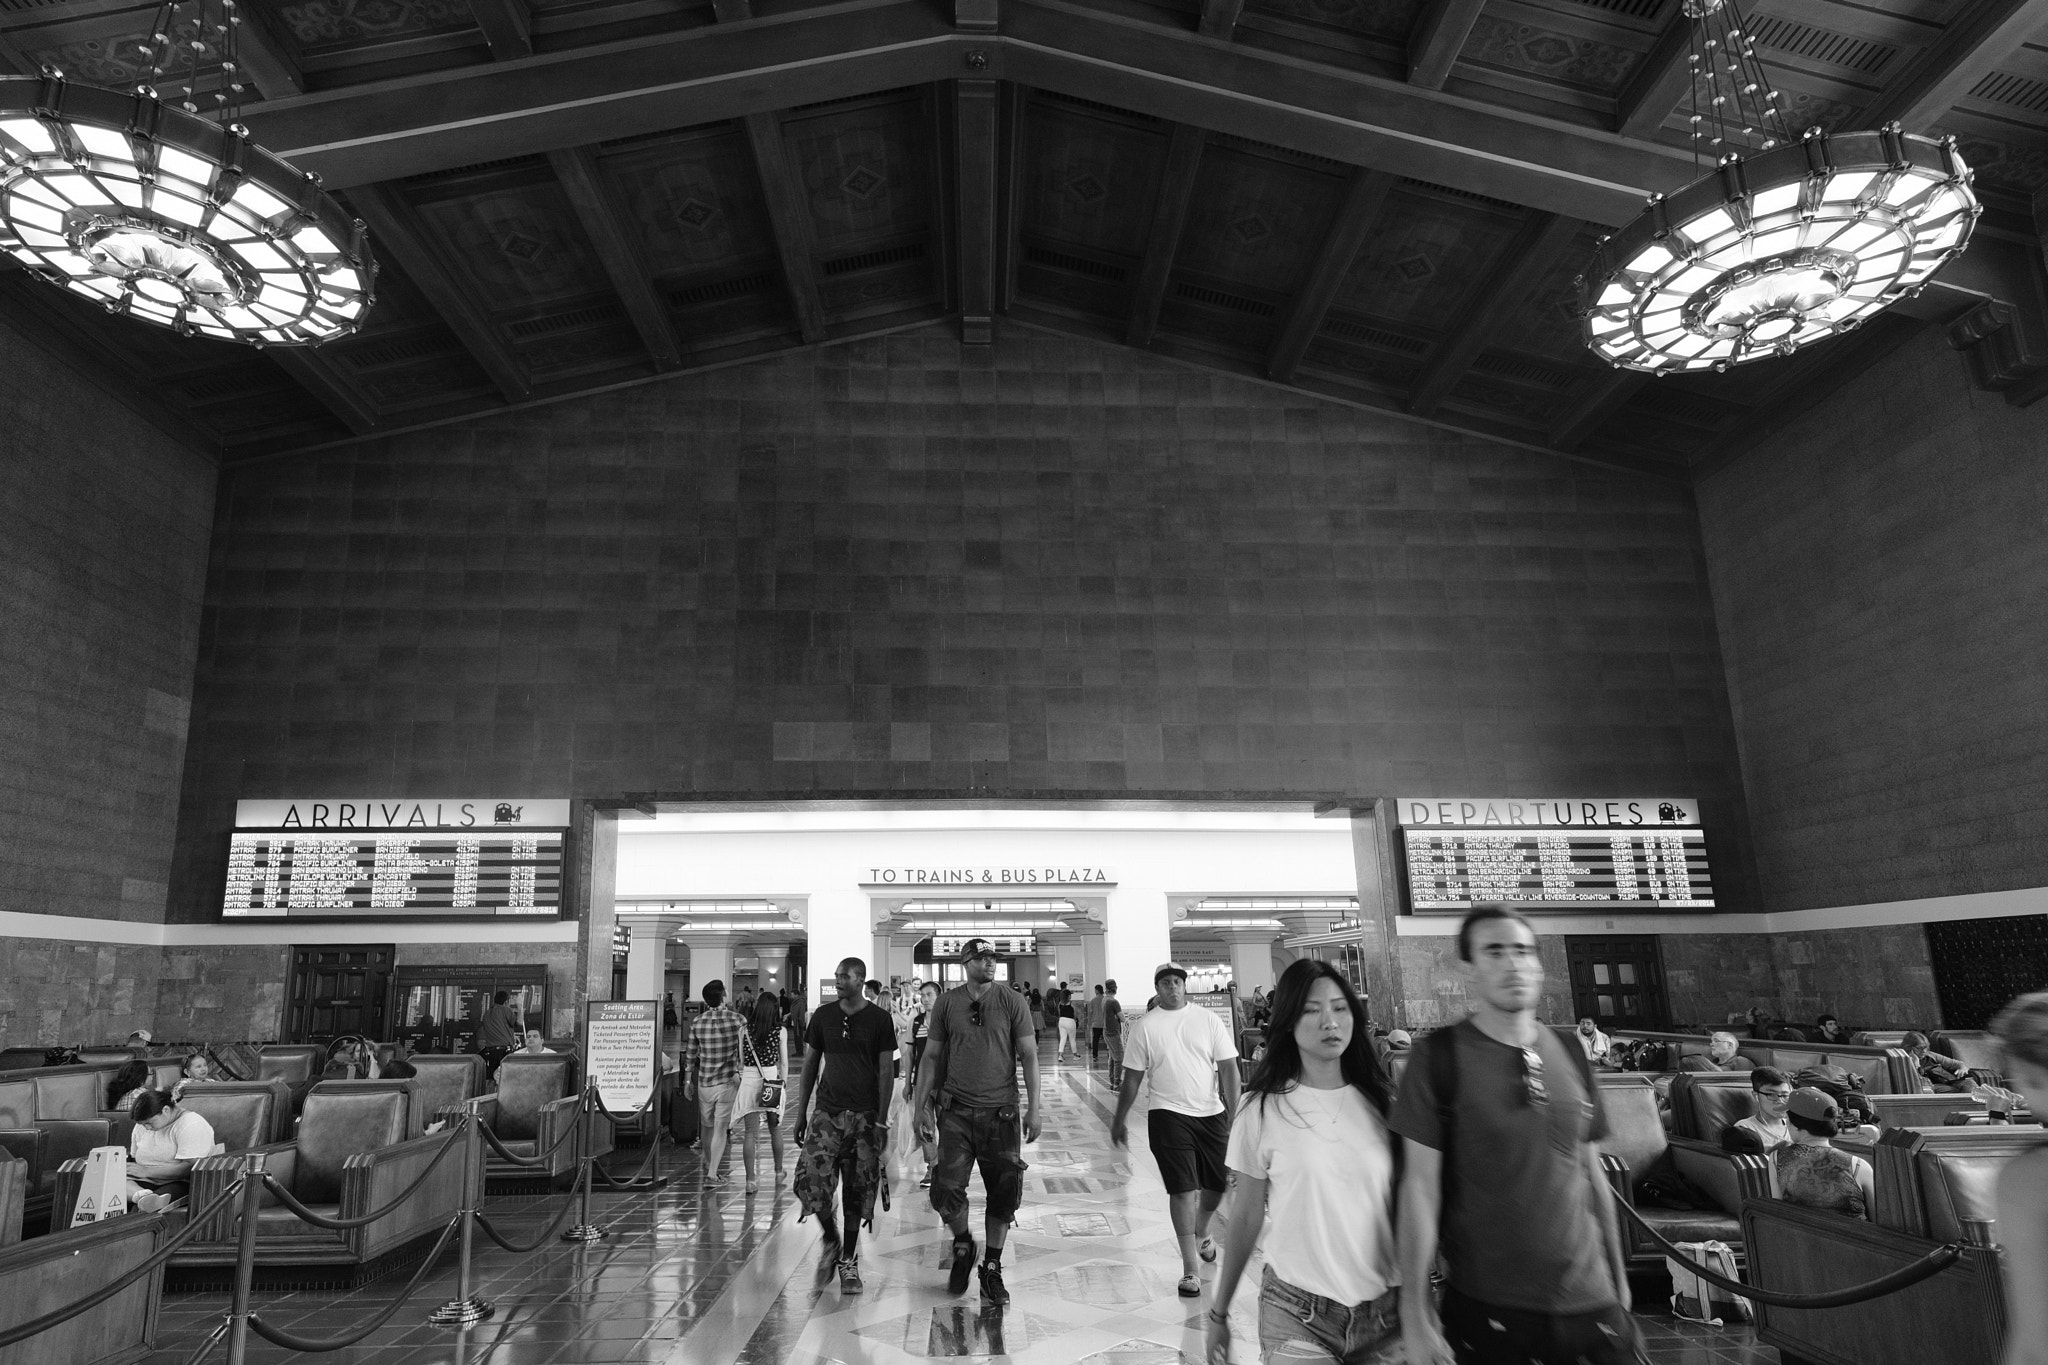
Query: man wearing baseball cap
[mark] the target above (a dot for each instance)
(1188, 1058)
(1811, 1172)
(967, 1102)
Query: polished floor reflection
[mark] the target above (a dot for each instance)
(696, 1275)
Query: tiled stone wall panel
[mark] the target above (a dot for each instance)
(102, 569)
(54, 991)
(903, 566)
(222, 994)
(1879, 570)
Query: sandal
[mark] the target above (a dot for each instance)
(1190, 1287)
(1207, 1251)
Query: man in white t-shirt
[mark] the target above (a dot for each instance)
(1187, 1058)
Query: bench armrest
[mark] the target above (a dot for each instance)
(370, 1180)
(213, 1174)
(1729, 1178)
(31, 1145)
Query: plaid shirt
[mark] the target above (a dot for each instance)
(714, 1057)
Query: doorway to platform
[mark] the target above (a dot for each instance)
(338, 989)
(1618, 981)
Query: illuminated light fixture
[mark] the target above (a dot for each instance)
(154, 212)
(1777, 249)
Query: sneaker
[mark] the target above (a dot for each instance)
(849, 1277)
(963, 1265)
(992, 1290)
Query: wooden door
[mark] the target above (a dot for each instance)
(338, 990)
(1618, 981)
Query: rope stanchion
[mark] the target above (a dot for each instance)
(648, 1176)
(254, 1178)
(1933, 1263)
(585, 1230)
(321, 1220)
(292, 1341)
(212, 1340)
(539, 1157)
(37, 1326)
(483, 1221)
(466, 1309)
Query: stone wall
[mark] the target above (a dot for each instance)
(904, 567)
(1878, 570)
(223, 993)
(54, 991)
(102, 567)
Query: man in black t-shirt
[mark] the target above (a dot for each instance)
(853, 1044)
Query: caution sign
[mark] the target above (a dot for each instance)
(104, 1194)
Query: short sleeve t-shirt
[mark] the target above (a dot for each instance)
(980, 1059)
(1521, 1229)
(1329, 1168)
(187, 1138)
(853, 1046)
(1178, 1051)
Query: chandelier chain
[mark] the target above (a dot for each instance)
(165, 47)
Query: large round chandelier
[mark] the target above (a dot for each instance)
(1772, 251)
(157, 213)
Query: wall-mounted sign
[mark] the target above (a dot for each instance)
(1014, 945)
(1493, 812)
(622, 1048)
(409, 812)
(490, 872)
(1664, 869)
(988, 876)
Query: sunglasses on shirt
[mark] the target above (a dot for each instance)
(1532, 1079)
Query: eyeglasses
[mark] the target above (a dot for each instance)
(1532, 1078)
(1774, 1094)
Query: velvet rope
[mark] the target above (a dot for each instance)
(1933, 1263)
(321, 1220)
(292, 1341)
(538, 1158)
(483, 1221)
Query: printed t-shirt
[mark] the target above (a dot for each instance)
(1178, 1051)
(1520, 1229)
(980, 1061)
(1330, 1168)
(187, 1138)
(1772, 1137)
(853, 1046)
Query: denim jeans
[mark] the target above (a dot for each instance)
(1300, 1328)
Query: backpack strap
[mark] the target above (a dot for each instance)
(1442, 1061)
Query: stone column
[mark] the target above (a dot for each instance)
(1137, 938)
(1379, 912)
(647, 957)
(1251, 959)
(710, 960)
(1094, 959)
(774, 959)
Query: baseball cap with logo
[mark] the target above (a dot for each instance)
(978, 947)
(1170, 969)
(1812, 1104)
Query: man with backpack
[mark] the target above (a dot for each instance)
(1501, 1115)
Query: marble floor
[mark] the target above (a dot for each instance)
(708, 1275)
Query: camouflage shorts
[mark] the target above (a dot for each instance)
(846, 1143)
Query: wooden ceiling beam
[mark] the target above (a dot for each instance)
(1363, 200)
(398, 237)
(13, 58)
(1219, 19)
(1439, 35)
(624, 265)
(789, 218)
(1970, 48)
(976, 124)
(267, 63)
(1591, 403)
(337, 392)
(1522, 265)
(1169, 216)
(1659, 83)
(507, 26)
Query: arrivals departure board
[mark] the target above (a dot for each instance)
(1653, 868)
(394, 873)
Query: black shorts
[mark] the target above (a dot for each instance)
(1189, 1150)
(1486, 1334)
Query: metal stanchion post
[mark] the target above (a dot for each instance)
(584, 1231)
(245, 1258)
(465, 1308)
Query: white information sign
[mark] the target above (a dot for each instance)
(622, 1047)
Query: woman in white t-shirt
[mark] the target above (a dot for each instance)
(166, 1141)
(1310, 1151)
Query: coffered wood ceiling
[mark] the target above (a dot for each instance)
(1380, 201)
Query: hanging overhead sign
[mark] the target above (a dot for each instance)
(404, 812)
(1645, 853)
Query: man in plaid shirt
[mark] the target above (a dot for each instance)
(711, 1074)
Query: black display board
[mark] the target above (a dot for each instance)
(1653, 868)
(397, 874)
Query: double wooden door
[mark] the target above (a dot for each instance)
(1618, 981)
(338, 990)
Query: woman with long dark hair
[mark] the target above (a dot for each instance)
(1310, 1150)
(764, 1037)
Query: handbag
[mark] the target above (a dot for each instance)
(758, 1092)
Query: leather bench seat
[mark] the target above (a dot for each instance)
(276, 1222)
(242, 1114)
(1704, 1105)
(1637, 1145)
(445, 1080)
(44, 1274)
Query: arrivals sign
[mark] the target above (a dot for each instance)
(404, 812)
(1641, 853)
(622, 1051)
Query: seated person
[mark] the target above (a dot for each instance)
(197, 1067)
(536, 1045)
(161, 1150)
(1938, 1074)
(1811, 1173)
(1721, 1055)
(1597, 1045)
(1831, 1030)
(1771, 1089)
(351, 1058)
(139, 1039)
(128, 1084)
